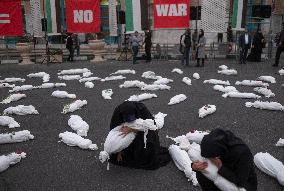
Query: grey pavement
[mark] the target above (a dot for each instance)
(51, 165)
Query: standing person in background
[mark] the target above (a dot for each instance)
(220, 37)
(148, 45)
(77, 44)
(257, 45)
(280, 46)
(201, 48)
(185, 41)
(135, 43)
(245, 45)
(230, 37)
(194, 41)
(69, 46)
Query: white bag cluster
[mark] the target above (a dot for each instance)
(124, 72)
(281, 72)
(72, 139)
(154, 87)
(7, 85)
(206, 110)
(223, 67)
(78, 104)
(10, 80)
(70, 77)
(45, 77)
(142, 97)
(187, 80)
(8, 121)
(63, 94)
(160, 119)
(270, 165)
(89, 85)
(22, 88)
(280, 143)
(21, 110)
(162, 81)
(241, 95)
(214, 81)
(225, 89)
(177, 99)
(16, 137)
(269, 79)
(79, 125)
(196, 76)
(264, 91)
(252, 83)
(112, 78)
(11, 159)
(89, 79)
(12, 98)
(177, 70)
(73, 71)
(51, 85)
(87, 74)
(228, 72)
(107, 93)
(133, 84)
(266, 105)
(150, 75)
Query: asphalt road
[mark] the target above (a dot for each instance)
(55, 166)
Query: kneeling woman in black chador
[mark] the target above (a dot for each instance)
(136, 156)
(231, 156)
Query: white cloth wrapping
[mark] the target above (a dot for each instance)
(269, 79)
(160, 119)
(133, 84)
(281, 72)
(73, 71)
(280, 143)
(21, 110)
(264, 91)
(196, 76)
(89, 79)
(79, 125)
(22, 88)
(182, 141)
(72, 139)
(16, 137)
(214, 81)
(270, 165)
(89, 85)
(45, 77)
(225, 89)
(223, 67)
(163, 81)
(228, 72)
(150, 75)
(7, 85)
(196, 136)
(12, 98)
(9, 80)
(206, 110)
(211, 172)
(74, 106)
(154, 87)
(8, 121)
(187, 80)
(241, 95)
(107, 93)
(266, 105)
(183, 163)
(63, 94)
(177, 70)
(124, 72)
(11, 159)
(252, 83)
(51, 85)
(142, 97)
(87, 74)
(177, 99)
(70, 77)
(112, 78)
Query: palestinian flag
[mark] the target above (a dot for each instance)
(54, 10)
(136, 15)
(239, 14)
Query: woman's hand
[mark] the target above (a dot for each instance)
(199, 166)
(216, 161)
(126, 130)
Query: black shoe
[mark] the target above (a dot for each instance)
(275, 65)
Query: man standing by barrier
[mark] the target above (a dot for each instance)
(69, 46)
(245, 45)
(135, 41)
(185, 41)
(280, 46)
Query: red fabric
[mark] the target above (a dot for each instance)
(168, 18)
(11, 21)
(82, 7)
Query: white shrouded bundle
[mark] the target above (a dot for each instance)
(225, 89)
(21, 110)
(187, 80)
(63, 94)
(214, 81)
(8, 121)
(9, 80)
(72, 139)
(181, 141)
(112, 78)
(223, 67)
(124, 72)
(133, 84)
(11, 159)
(13, 97)
(6, 85)
(270, 165)
(82, 80)
(183, 163)
(280, 143)
(45, 77)
(160, 120)
(107, 93)
(196, 76)
(206, 110)
(269, 79)
(87, 74)
(228, 72)
(252, 83)
(51, 85)
(241, 95)
(281, 72)
(89, 85)
(142, 97)
(196, 136)
(22, 88)
(211, 172)
(78, 125)
(154, 87)
(73, 71)
(177, 70)
(177, 99)
(264, 91)
(74, 106)
(70, 77)
(150, 75)
(16, 137)
(266, 105)
(163, 81)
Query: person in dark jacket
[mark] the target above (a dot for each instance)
(148, 45)
(185, 41)
(232, 157)
(245, 45)
(69, 46)
(280, 47)
(136, 156)
(257, 45)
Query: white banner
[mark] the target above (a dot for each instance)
(36, 18)
(112, 18)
